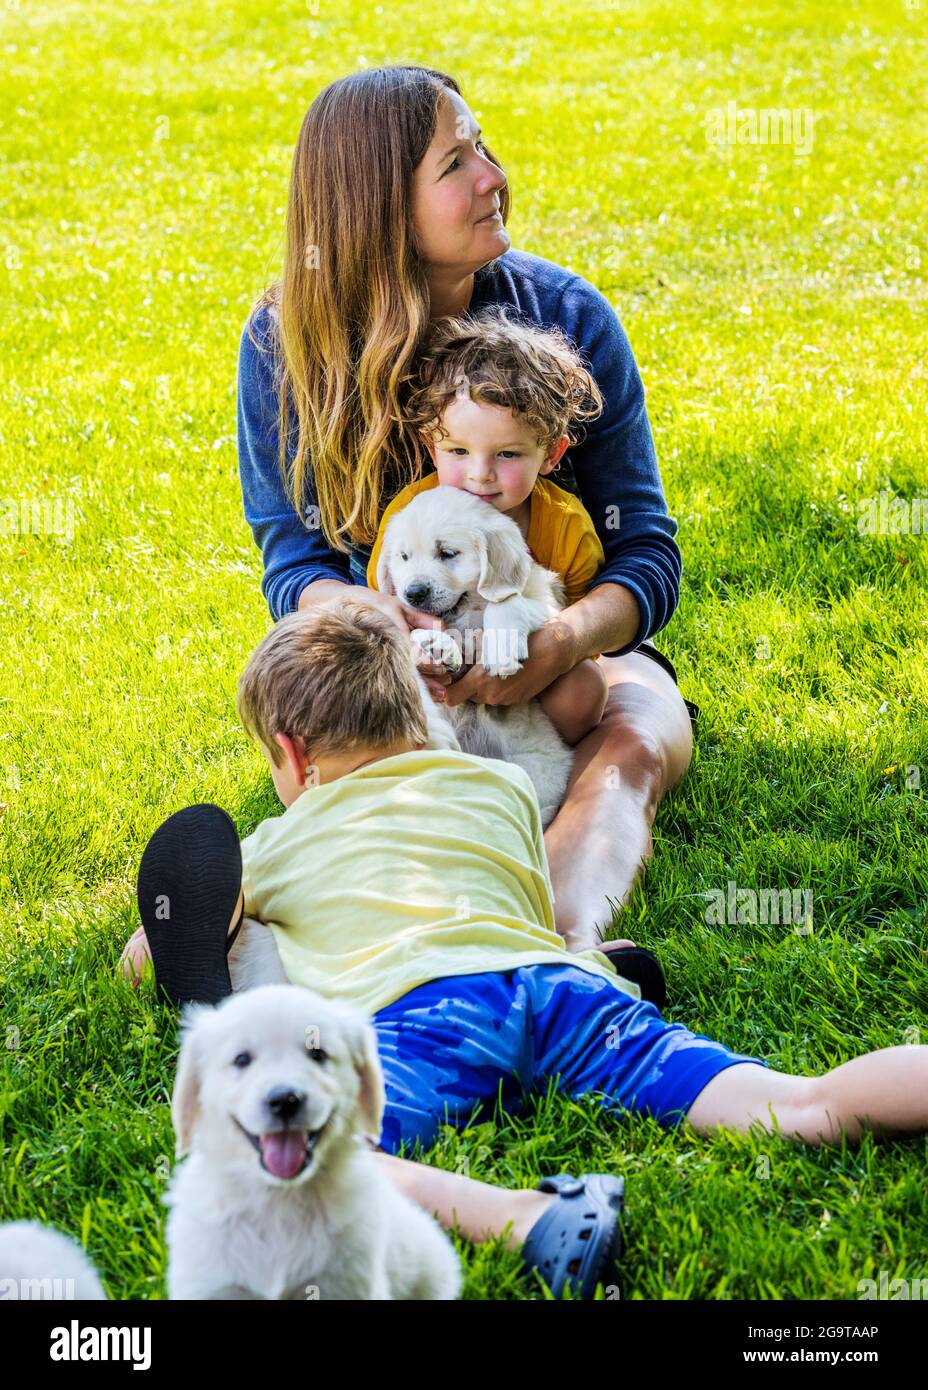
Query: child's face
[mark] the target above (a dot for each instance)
(490, 452)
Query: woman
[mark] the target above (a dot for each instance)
(396, 217)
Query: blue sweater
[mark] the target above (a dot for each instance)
(613, 472)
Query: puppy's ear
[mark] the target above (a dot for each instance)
(384, 582)
(505, 563)
(372, 1097)
(185, 1102)
(362, 1044)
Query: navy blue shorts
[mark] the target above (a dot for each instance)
(452, 1046)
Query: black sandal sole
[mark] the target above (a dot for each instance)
(189, 880)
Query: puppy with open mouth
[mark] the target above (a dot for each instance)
(276, 1094)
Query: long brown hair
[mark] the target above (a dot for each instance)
(353, 300)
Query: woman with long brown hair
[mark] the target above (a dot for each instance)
(396, 217)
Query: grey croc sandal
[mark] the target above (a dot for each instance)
(577, 1243)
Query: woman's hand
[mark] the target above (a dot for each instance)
(550, 654)
(407, 619)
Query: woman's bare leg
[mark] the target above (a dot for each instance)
(601, 836)
(886, 1091)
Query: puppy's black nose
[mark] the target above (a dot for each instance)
(417, 594)
(283, 1102)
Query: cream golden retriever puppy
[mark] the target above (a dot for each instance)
(281, 1197)
(38, 1262)
(450, 554)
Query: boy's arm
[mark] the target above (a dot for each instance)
(539, 854)
(248, 847)
(585, 564)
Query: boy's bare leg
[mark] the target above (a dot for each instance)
(136, 951)
(885, 1091)
(478, 1209)
(575, 701)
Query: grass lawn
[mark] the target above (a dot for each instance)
(776, 302)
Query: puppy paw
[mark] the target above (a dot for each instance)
(438, 647)
(502, 652)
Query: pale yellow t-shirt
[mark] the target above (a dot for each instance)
(416, 867)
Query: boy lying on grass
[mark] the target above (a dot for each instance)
(414, 884)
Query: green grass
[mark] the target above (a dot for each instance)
(776, 304)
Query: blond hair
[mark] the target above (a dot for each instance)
(536, 373)
(338, 679)
(352, 304)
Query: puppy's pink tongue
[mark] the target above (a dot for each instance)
(283, 1153)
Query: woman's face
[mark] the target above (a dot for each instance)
(454, 188)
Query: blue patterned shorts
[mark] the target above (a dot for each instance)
(452, 1046)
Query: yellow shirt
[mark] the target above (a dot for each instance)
(416, 867)
(561, 535)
